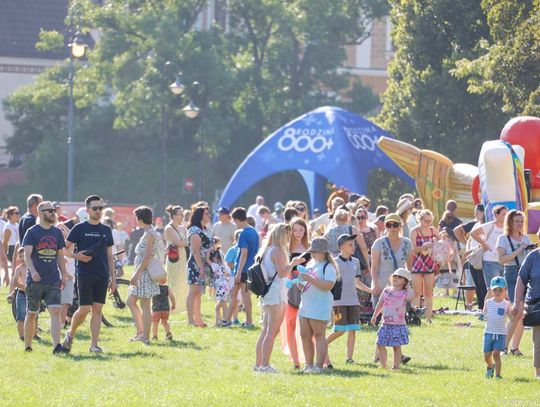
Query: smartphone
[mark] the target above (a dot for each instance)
(531, 246)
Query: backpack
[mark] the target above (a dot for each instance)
(256, 282)
(338, 285)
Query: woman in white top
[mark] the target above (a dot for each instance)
(512, 247)
(11, 231)
(276, 267)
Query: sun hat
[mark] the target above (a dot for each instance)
(403, 205)
(392, 217)
(403, 272)
(498, 282)
(318, 245)
(344, 238)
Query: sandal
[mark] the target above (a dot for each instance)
(169, 336)
(201, 324)
(136, 338)
(516, 352)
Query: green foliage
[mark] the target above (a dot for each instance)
(268, 66)
(509, 65)
(425, 104)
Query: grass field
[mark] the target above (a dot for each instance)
(214, 367)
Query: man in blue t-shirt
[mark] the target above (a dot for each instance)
(248, 243)
(43, 253)
(95, 270)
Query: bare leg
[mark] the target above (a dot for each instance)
(306, 333)
(383, 356)
(78, 318)
(351, 340)
(429, 279)
(275, 318)
(290, 317)
(95, 323)
(63, 313)
(329, 339)
(29, 328)
(135, 313)
(234, 303)
(397, 357)
(418, 285)
(146, 306)
(166, 326)
(515, 332)
(258, 347)
(246, 296)
(197, 317)
(20, 328)
(319, 330)
(488, 359)
(55, 324)
(155, 325)
(498, 364)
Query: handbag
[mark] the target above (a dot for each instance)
(358, 253)
(532, 313)
(156, 270)
(477, 255)
(172, 253)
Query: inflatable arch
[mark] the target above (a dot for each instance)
(327, 143)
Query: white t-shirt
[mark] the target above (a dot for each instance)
(225, 232)
(2, 225)
(253, 211)
(14, 237)
(491, 254)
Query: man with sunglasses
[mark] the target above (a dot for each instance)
(95, 270)
(44, 256)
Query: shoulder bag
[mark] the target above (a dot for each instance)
(477, 255)
(156, 270)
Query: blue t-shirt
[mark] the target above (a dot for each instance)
(232, 255)
(530, 275)
(45, 244)
(316, 303)
(96, 239)
(249, 239)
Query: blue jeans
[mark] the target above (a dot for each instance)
(491, 269)
(511, 274)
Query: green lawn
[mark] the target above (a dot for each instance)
(214, 367)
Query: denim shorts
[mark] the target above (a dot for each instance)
(20, 306)
(491, 269)
(37, 291)
(511, 275)
(494, 342)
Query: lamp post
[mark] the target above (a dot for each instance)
(77, 49)
(192, 111)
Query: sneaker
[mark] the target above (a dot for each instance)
(498, 377)
(505, 351)
(37, 337)
(307, 369)
(481, 317)
(316, 370)
(350, 362)
(489, 372)
(516, 352)
(169, 336)
(420, 311)
(68, 341)
(225, 324)
(28, 349)
(95, 349)
(268, 369)
(21, 338)
(245, 325)
(236, 322)
(330, 366)
(257, 368)
(405, 359)
(154, 338)
(59, 349)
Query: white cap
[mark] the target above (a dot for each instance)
(82, 214)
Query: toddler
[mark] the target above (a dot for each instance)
(222, 286)
(161, 309)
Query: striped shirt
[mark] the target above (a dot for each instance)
(495, 316)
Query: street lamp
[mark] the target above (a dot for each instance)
(77, 49)
(177, 87)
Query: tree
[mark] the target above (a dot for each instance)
(425, 104)
(508, 65)
(276, 61)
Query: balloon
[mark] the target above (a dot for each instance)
(525, 131)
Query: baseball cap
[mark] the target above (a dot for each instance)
(498, 282)
(479, 207)
(224, 210)
(344, 238)
(392, 217)
(278, 206)
(354, 197)
(45, 205)
(82, 214)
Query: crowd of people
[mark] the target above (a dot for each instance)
(329, 269)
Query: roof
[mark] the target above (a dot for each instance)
(21, 21)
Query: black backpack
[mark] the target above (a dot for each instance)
(255, 280)
(338, 285)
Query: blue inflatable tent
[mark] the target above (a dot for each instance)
(327, 143)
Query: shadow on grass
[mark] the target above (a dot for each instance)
(174, 343)
(110, 356)
(413, 368)
(524, 380)
(355, 373)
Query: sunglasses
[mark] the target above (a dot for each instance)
(393, 225)
(97, 208)
(301, 209)
(51, 211)
(16, 213)
(361, 217)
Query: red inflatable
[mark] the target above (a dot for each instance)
(525, 131)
